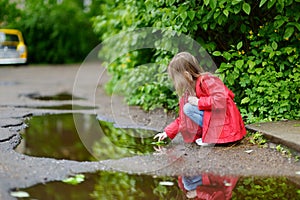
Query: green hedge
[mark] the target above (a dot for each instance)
(254, 43)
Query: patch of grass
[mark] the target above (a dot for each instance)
(257, 139)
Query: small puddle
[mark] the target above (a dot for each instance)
(58, 136)
(108, 185)
(58, 97)
(62, 107)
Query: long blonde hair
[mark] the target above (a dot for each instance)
(180, 64)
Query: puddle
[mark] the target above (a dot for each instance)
(62, 107)
(57, 136)
(59, 97)
(108, 185)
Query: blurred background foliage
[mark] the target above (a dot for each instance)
(255, 45)
(55, 32)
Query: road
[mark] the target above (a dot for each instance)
(18, 84)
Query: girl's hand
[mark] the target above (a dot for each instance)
(161, 136)
(159, 150)
(193, 100)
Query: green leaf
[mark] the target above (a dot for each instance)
(259, 70)
(237, 9)
(271, 3)
(159, 143)
(225, 12)
(239, 63)
(274, 45)
(243, 28)
(239, 45)
(278, 23)
(206, 2)
(245, 100)
(227, 55)
(216, 14)
(213, 4)
(217, 53)
(288, 32)
(191, 14)
(246, 8)
(297, 25)
(251, 64)
(149, 4)
(234, 2)
(183, 15)
(78, 178)
(291, 58)
(262, 2)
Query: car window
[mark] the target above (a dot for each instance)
(9, 38)
(2, 37)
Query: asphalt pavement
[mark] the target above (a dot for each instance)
(18, 84)
(285, 132)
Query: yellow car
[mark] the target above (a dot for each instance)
(12, 47)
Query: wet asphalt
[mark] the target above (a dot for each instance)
(19, 84)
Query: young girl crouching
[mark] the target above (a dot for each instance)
(207, 112)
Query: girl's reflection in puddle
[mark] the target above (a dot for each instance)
(207, 186)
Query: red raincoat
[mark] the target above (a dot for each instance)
(213, 187)
(222, 121)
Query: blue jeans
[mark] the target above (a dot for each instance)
(194, 113)
(191, 182)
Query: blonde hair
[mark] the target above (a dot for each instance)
(180, 64)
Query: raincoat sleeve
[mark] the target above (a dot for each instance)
(173, 128)
(215, 91)
(210, 193)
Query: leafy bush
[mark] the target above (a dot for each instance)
(264, 68)
(144, 84)
(8, 12)
(255, 43)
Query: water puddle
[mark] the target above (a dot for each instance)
(108, 185)
(58, 97)
(82, 137)
(65, 136)
(62, 107)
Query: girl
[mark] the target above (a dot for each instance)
(207, 112)
(208, 186)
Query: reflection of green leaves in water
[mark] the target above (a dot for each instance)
(78, 178)
(125, 186)
(265, 188)
(121, 142)
(55, 136)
